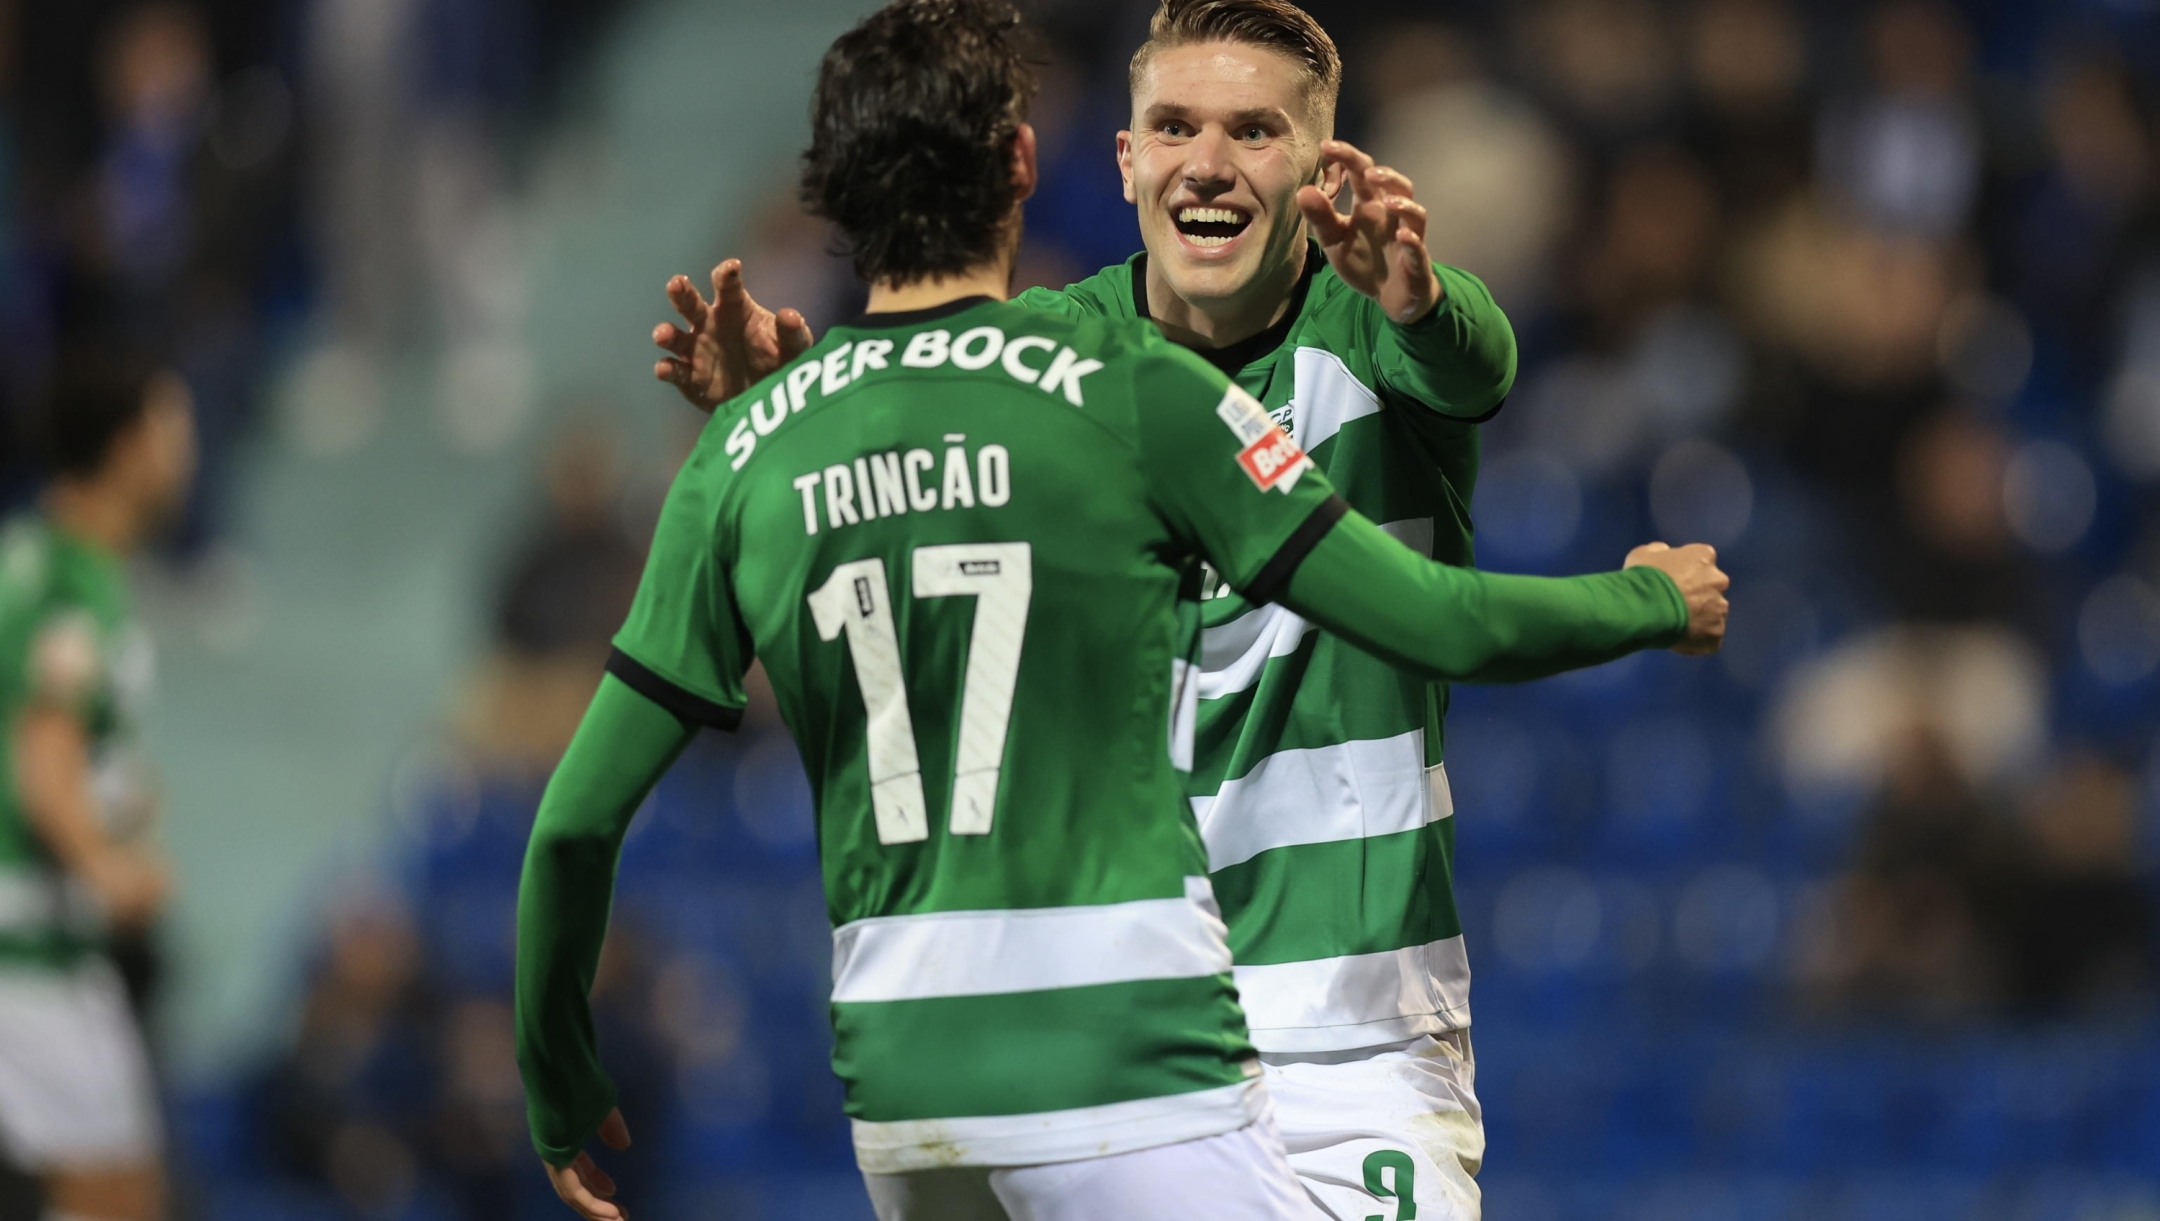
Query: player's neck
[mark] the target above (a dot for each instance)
(1224, 321)
(988, 280)
(94, 512)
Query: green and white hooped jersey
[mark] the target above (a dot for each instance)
(1317, 782)
(67, 641)
(965, 543)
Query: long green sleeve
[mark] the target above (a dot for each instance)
(1459, 359)
(1462, 625)
(622, 747)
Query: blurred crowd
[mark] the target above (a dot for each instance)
(146, 158)
(1865, 294)
(193, 182)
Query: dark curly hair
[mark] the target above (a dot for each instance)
(912, 128)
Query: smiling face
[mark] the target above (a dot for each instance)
(1223, 134)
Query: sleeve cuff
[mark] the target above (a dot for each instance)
(1435, 338)
(1274, 576)
(539, 1120)
(688, 706)
(1677, 601)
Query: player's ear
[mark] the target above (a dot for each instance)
(1024, 171)
(1124, 164)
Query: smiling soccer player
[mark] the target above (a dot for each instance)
(1318, 777)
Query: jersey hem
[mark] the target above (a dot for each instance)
(1485, 418)
(903, 1146)
(1289, 1040)
(1418, 989)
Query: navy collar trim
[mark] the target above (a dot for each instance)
(909, 317)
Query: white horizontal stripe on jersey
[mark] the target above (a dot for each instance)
(1358, 1000)
(1325, 396)
(1233, 654)
(981, 953)
(901, 1146)
(1321, 794)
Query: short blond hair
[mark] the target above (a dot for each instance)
(1277, 25)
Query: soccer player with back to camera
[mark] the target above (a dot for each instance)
(964, 537)
(77, 1104)
(1318, 775)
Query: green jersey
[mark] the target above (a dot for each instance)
(1317, 781)
(965, 543)
(67, 642)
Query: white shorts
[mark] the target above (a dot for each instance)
(1367, 1128)
(75, 1084)
(1239, 1175)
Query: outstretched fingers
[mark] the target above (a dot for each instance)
(1391, 182)
(1354, 160)
(683, 295)
(1371, 219)
(1415, 265)
(1328, 225)
(727, 285)
(795, 334)
(583, 1186)
(1408, 216)
(594, 1179)
(674, 339)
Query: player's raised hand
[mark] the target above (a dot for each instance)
(1379, 248)
(1694, 569)
(584, 1186)
(732, 341)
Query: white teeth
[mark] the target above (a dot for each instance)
(1218, 216)
(1209, 241)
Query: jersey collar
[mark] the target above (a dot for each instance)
(909, 317)
(1244, 351)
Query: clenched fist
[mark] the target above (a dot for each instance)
(1694, 569)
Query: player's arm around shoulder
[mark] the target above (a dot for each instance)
(1071, 301)
(1223, 475)
(1106, 294)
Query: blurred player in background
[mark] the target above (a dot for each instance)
(964, 538)
(77, 1102)
(1318, 779)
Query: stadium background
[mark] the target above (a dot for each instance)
(1856, 920)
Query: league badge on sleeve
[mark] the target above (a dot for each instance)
(1270, 458)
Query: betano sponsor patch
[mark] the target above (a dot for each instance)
(1269, 457)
